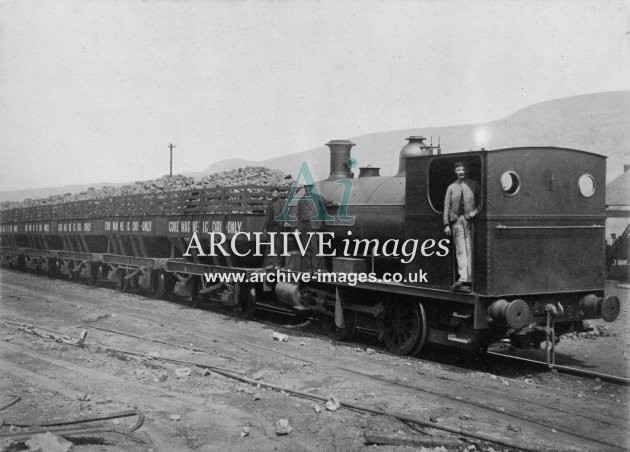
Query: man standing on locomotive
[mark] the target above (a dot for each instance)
(460, 207)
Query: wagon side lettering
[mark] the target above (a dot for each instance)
(234, 227)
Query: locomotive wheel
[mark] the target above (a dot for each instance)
(246, 304)
(404, 327)
(340, 334)
(423, 335)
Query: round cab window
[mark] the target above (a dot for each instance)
(587, 185)
(510, 183)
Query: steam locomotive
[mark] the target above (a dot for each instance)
(538, 247)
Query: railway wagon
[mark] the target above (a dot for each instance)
(538, 247)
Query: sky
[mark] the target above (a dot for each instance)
(94, 91)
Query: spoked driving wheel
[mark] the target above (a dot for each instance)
(404, 327)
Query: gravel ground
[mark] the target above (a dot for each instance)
(188, 408)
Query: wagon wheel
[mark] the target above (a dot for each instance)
(38, 268)
(193, 300)
(56, 269)
(52, 268)
(74, 274)
(99, 276)
(246, 303)
(340, 334)
(153, 286)
(44, 266)
(123, 284)
(93, 274)
(159, 284)
(404, 327)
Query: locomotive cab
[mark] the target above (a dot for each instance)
(538, 240)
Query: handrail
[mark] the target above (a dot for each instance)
(594, 226)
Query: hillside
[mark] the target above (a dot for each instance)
(598, 122)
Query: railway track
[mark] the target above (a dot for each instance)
(414, 388)
(535, 365)
(125, 310)
(611, 379)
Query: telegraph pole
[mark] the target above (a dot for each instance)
(171, 146)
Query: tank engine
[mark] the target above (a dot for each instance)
(538, 247)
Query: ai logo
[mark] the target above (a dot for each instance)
(312, 194)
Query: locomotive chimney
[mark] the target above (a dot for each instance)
(416, 146)
(339, 155)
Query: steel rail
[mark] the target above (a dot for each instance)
(507, 356)
(371, 376)
(613, 379)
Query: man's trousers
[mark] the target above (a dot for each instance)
(462, 235)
